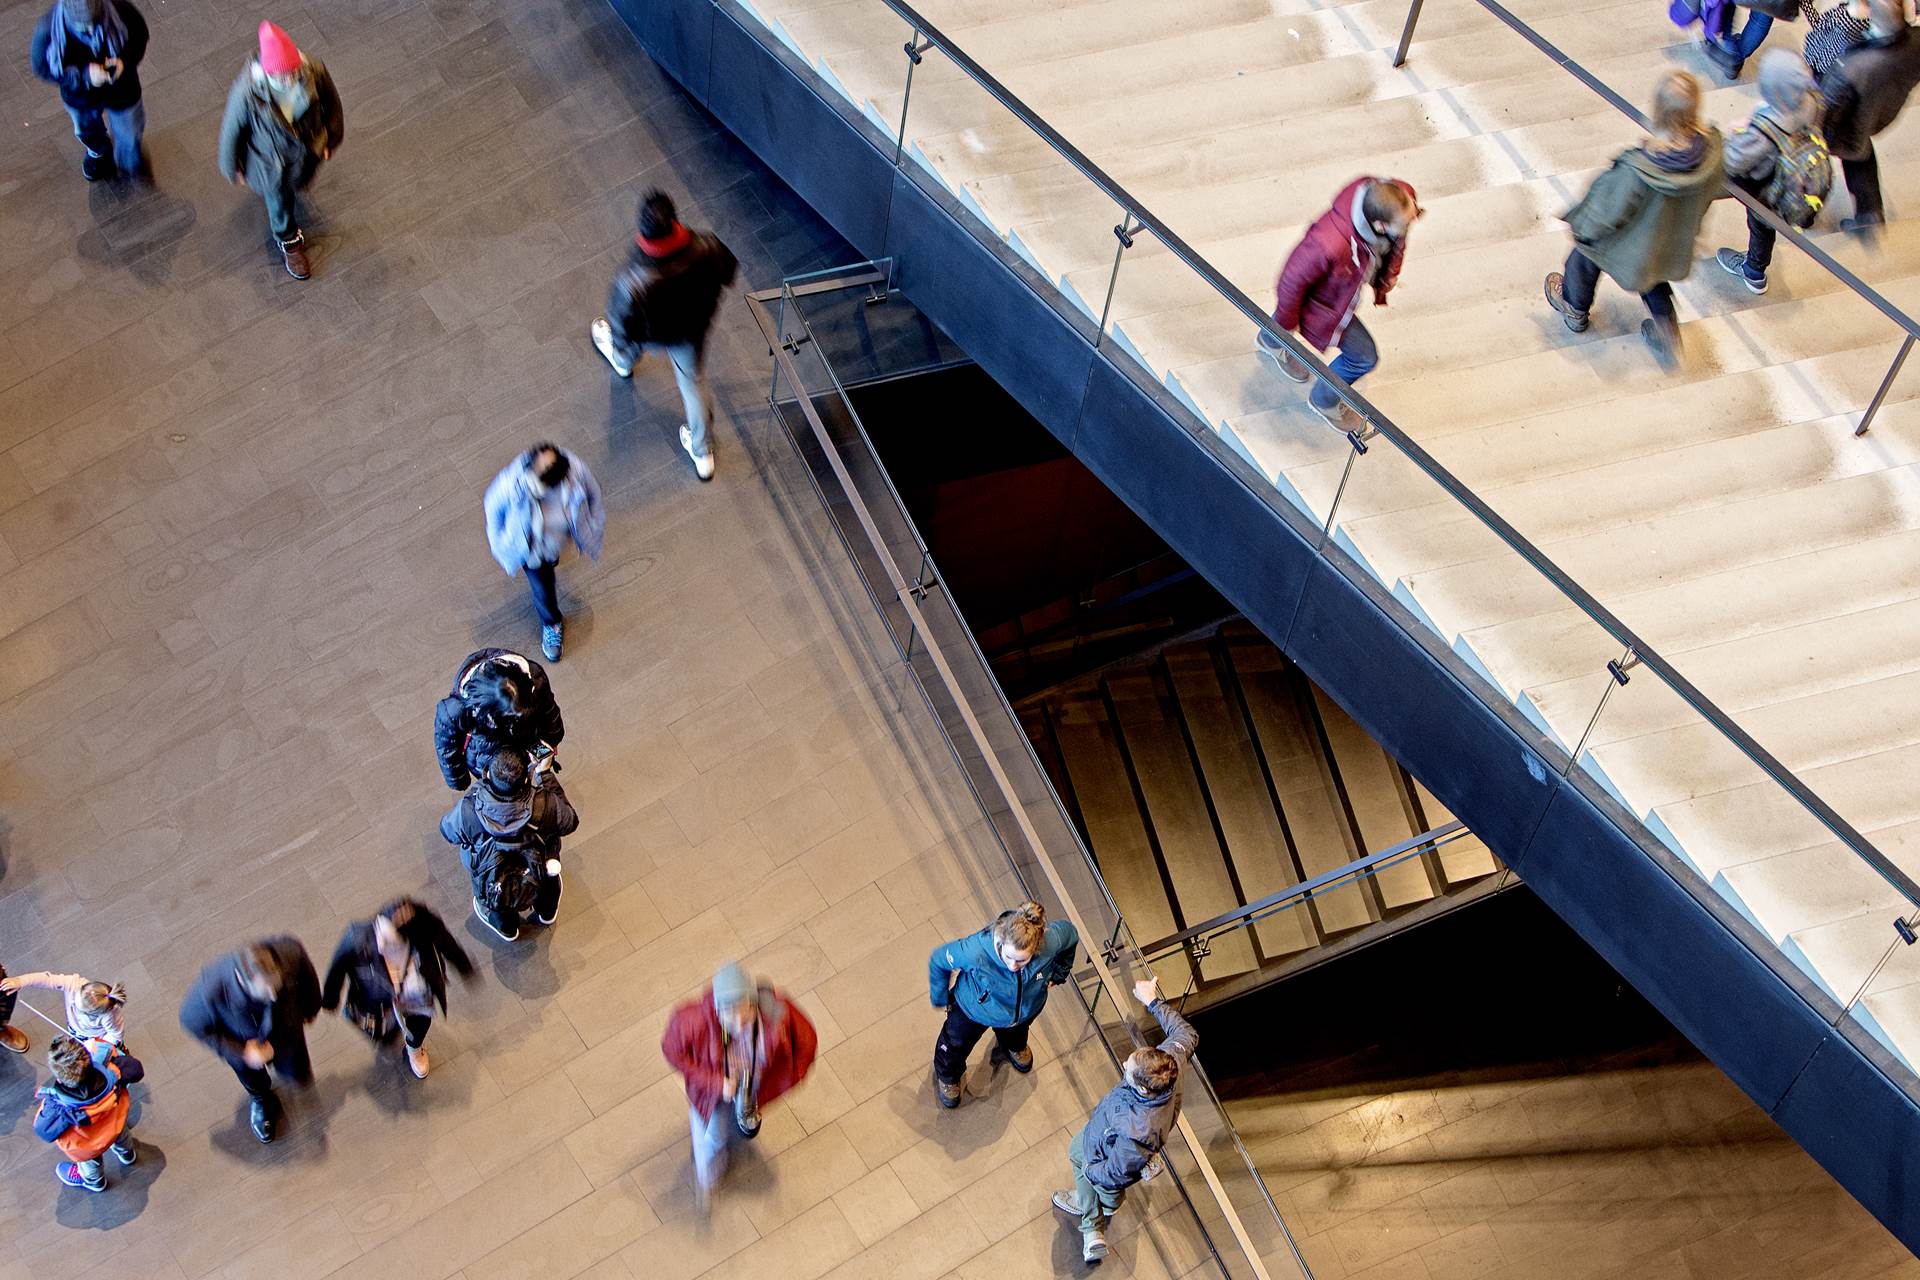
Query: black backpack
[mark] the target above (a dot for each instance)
(1802, 174)
(506, 872)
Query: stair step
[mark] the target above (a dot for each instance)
(1372, 787)
(1464, 859)
(1175, 806)
(1254, 839)
(1091, 751)
(1320, 833)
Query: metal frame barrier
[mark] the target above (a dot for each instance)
(1107, 950)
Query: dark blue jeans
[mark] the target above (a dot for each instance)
(118, 132)
(1751, 34)
(1583, 277)
(1358, 357)
(546, 594)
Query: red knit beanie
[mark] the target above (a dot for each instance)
(278, 56)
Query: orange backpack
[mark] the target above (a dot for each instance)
(106, 1120)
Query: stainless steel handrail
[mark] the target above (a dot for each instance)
(927, 35)
(1306, 889)
(908, 595)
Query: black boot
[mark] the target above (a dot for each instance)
(96, 166)
(1729, 62)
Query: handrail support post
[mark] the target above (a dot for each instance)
(1124, 233)
(1886, 385)
(1617, 677)
(914, 49)
(1406, 33)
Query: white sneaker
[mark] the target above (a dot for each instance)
(1093, 1247)
(1067, 1202)
(603, 343)
(702, 462)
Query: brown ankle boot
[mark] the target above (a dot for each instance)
(295, 253)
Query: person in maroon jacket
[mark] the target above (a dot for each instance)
(1361, 240)
(739, 1045)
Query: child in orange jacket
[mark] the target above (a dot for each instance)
(84, 1111)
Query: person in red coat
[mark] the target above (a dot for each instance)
(1361, 240)
(739, 1045)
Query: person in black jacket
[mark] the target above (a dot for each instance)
(393, 971)
(92, 50)
(508, 831)
(1864, 93)
(666, 297)
(283, 118)
(252, 1007)
(500, 699)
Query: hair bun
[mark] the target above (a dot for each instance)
(1032, 911)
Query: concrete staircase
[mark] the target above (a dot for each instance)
(1211, 774)
(1725, 511)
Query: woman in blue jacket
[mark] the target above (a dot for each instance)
(995, 978)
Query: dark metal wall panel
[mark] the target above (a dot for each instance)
(1860, 1132)
(678, 34)
(821, 149)
(1039, 356)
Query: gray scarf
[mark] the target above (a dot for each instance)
(104, 40)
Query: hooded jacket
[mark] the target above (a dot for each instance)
(85, 1121)
(513, 513)
(257, 144)
(1126, 1130)
(1790, 104)
(1319, 287)
(969, 972)
(671, 299)
(360, 972)
(695, 1046)
(464, 746)
(76, 53)
(1639, 220)
(534, 818)
(223, 1015)
(1866, 89)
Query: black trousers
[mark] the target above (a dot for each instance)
(1583, 277)
(7, 1000)
(960, 1033)
(1863, 181)
(290, 1062)
(1760, 236)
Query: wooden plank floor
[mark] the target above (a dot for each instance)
(241, 552)
(1671, 497)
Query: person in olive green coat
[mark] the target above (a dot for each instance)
(1639, 220)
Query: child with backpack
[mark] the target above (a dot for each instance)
(508, 831)
(1779, 158)
(84, 1111)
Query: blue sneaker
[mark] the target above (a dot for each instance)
(1734, 263)
(69, 1173)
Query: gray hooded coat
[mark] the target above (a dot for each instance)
(1126, 1130)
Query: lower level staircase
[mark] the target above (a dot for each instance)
(1211, 773)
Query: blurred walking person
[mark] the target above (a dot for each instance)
(283, 119)
(1780, 159)
(666, 298)
(1360, 241)
(539, 502)
(1639, 221)
(92, 50)
(739, 1045)
(1864, 94)
(391, 971)
(252, 1007)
